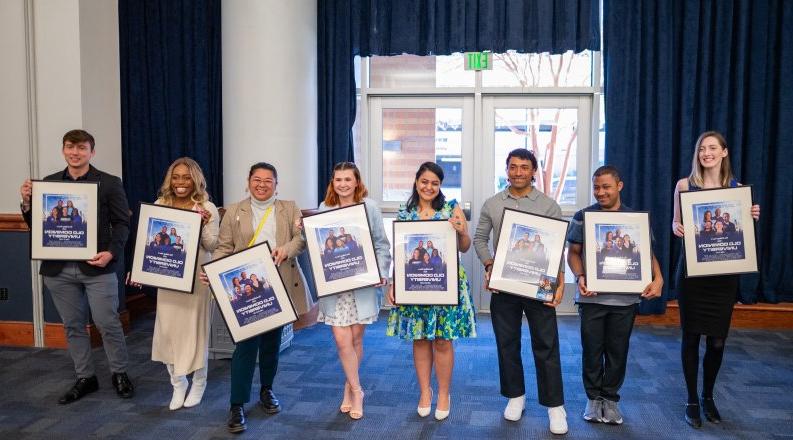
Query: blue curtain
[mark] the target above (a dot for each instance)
(170, 92)
(674, 69)
(347, 28)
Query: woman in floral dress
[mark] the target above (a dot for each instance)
(433, 328)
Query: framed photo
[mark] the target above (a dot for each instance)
(617, 251)
(64, 220)
(425, 263)
(528, 253)
(250, 293)
(341, 250)
(719, 236)
(166, 247)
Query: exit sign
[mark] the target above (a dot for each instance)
(478, 61)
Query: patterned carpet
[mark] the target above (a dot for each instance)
(754, 392)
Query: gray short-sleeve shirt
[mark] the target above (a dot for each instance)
(534, 202)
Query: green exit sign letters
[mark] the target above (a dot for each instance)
(478, 61)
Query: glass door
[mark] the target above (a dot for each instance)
(557, 129)
(405, 132)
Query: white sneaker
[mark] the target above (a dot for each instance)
(558, 420)
(515, 407)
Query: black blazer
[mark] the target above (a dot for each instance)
(113, 222)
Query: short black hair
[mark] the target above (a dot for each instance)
(607, 169)
(522, 153)
(263, 166)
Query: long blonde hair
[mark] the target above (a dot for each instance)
(725, 173)
(199, 195)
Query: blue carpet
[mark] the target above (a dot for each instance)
(754, 392)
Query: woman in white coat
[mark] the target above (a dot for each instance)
(182, 324)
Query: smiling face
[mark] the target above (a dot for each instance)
(77, 154)
(182, 181)
(262, 184)
(710, 153)
(606, 190)
(428, 186)
(344, 183)
(520, 172)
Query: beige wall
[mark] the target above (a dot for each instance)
(72, 51)
(270, 95)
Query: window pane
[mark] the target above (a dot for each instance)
(414, 136)
(552, 134)
(419, 71)
(514, 69)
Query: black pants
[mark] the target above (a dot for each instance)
(243, 363)
(605, 336)
(507, 315)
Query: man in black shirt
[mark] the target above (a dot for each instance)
(73, 285)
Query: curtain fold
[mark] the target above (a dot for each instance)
(170, 92)
(347, 28)
(676, 69)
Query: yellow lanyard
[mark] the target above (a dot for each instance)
(261, 225)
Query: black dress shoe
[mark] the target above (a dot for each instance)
(236, 423)
(83, 386)
(269, 402)
(709, 408)
(123, 386)
(692, 415)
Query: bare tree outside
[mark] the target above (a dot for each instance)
(545, 70)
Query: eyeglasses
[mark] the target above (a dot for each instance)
(266, 182)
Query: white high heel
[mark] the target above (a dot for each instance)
(424, 411)
(440, 414)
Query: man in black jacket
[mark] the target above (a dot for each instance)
(93, 283)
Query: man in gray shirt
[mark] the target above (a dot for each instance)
(507, 310)
(606, 318)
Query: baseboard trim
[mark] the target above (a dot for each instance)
(757, 316)
(16, 334)
(55, 335)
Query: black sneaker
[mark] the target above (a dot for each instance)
(123, 386)
(83, 387)
(269, 402)
(236, 423)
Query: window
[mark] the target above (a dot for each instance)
(564, 143)
(514, 69)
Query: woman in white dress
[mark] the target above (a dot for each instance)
(349, 312)
(181, 327)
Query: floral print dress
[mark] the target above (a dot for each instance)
(431, 322)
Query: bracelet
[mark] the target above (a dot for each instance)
(488, 267)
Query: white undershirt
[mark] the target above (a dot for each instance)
(258, 208)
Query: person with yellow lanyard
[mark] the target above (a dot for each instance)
(251, 221)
